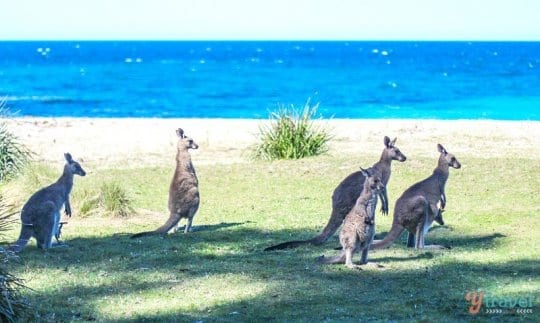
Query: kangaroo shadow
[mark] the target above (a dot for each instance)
(425, 255)
(124, 266)
(213, 227)
(451, 241)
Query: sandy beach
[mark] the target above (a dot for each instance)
(103, 142)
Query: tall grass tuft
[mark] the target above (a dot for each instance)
(12, 305)
(291, 134)
(112, 200)
(13, 155)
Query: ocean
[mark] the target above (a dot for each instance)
(250, 79)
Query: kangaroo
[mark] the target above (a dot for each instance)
(183, 192)
(40, 216)
(359, 224)
(348, 191)
(416, 208)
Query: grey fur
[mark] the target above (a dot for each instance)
(348, 191)
(416, 208)
(183, 192)
(40, 216)
(359, 225)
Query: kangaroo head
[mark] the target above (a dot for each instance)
(448, 158)
(392, 151)
(73, 166)
(185, 142)
(373, 179)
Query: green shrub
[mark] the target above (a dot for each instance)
(12, 305)
(291, 134)
(112, 199)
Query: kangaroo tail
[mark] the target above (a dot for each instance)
(331, 227)
(288, 245)
(162, 230)
(394, 233)
(339, 259)
(27, 231)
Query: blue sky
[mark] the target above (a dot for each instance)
(270, 20)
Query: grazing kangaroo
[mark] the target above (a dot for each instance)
(348, 191)
(359, 225)
(416, 209)
(40, 216)
(183, 192)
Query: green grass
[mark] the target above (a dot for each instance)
(291, 134)
(112, 199)
(220, 273)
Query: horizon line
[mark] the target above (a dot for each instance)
(264, 40)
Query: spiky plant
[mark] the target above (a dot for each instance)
(12, 305)
(291, 134)
(13, 155)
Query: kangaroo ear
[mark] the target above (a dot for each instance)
(364, 172)
(441, 149)
(68, 157)
(393, 142)
(386, 142)
(180, 132)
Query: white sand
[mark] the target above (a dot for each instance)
(132, 142)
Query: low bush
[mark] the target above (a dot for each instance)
(291, 134)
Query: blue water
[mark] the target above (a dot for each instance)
(442, 80)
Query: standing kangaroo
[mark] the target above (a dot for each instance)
(183, 192)
(348, 191)
(359, 225)
(416, 209)
(40, 216)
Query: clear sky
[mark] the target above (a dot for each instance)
(270, 19)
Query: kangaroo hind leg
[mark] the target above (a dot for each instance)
(423, 228)
(348, 258)
(45, 231)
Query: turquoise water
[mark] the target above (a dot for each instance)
(441, 80)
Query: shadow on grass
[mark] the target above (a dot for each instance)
(97, 271)
(454, 240)
(213, 227)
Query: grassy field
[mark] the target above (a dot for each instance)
(220, 273)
